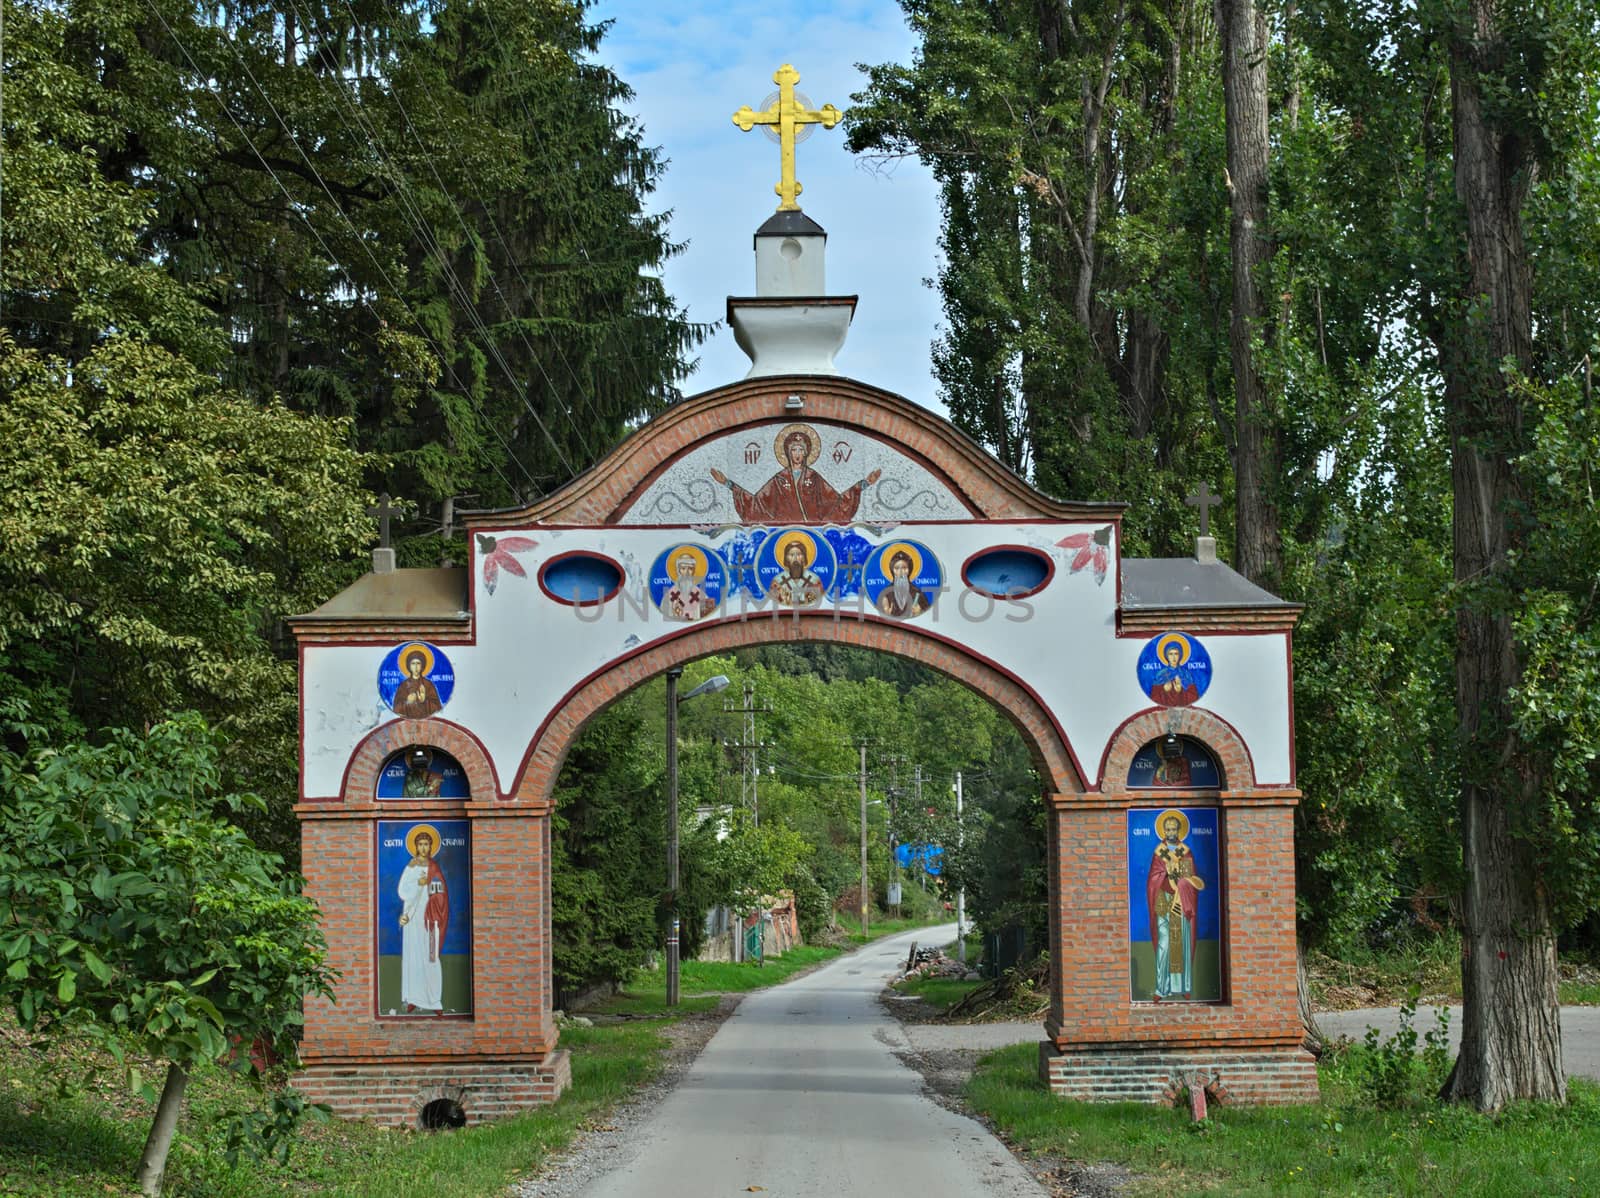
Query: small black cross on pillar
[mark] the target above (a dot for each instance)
(382, 510)
(1205, 501)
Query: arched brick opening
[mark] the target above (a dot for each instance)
(1053, 757)
(1225, 743)
(361, 775)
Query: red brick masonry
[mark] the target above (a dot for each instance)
(396, 1096)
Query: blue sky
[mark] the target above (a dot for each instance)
(691, 64)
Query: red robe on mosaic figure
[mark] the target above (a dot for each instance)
(436, 915)
(1174, 863)
(797, 497)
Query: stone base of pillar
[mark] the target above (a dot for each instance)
(397, 1093)
(1230, 1076)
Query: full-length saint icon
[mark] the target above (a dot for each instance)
(1173, 889)
(797, 494)
(424, 918)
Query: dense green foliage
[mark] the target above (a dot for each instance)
(262, 263)
(610, 874)
(134, 913)
(1079, 151)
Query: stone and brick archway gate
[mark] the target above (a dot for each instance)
(438, 705)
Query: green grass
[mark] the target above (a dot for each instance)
(84, 1139)
(648, 989)
(699, 982)
(1342, 1146)
(1580, 993)
(879, 926)
(942, 993)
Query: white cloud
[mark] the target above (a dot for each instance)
(691, 65)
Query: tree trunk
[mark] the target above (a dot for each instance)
(1243, 28)
(1511, 1018)
(153, 1161)
(1311, 1039)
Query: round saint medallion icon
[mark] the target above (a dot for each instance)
(903, 579)
(416, 680)
(795, 567)
(1174, 669)
(688, 582)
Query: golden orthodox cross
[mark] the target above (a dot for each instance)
(790, 115)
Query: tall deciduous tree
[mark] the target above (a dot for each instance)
(1256, 457)
(1056, 134)
(1499, 55)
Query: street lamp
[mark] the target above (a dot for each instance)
(709, 686)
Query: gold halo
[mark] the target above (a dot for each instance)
(887, 555)
(813, 443)
(701, 566)
(408, 650)
(1173, 638)
(790, 538)
(411, 838)
(1183, 822)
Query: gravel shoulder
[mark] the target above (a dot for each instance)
(946, 1054)
(602, 1144)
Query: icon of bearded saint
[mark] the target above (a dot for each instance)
(797, 494)
(902, 599)
(798, 585)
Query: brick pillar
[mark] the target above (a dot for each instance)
(1105, 1046)
(500, 1060)
(1057, 887)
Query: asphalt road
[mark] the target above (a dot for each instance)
(799, 1094)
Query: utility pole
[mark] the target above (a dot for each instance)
(866, 892)
(749, 747)
(709, 686)
(672, 834)
(893, 792)
(922, 862)
(961, 894)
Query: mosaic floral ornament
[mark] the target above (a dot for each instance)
(1091, 547)
(497, 553)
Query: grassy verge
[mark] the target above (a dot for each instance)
(69, 1134)
(940, 993)
(699, 982)
(1363, 978)
(878, 927)
(1343, 1146)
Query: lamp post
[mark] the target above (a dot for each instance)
(866, 891)
(707, 687)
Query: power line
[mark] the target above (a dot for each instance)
(413, 214)
(355, 289)
(477, 321)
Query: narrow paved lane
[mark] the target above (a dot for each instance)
(799, 1094)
